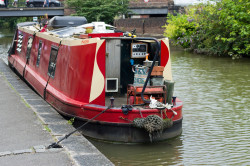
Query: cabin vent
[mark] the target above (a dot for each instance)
(111, 85)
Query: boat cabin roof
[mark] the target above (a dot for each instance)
(73, 36)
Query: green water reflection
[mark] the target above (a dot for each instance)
(6, 36)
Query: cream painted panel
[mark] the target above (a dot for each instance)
(98, 81)
(167, 73)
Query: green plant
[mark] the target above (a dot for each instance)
(71, 121)
(99, 10)
(220, 29)
(11, 22)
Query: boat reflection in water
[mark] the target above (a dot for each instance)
(160, 153)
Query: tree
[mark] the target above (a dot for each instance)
(11, 22)
(99, 10)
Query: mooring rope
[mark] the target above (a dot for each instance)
(45, 88)
(55, 144)
(140, 112)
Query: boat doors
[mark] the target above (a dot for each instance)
(113, 65)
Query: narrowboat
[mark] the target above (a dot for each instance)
(88, 69)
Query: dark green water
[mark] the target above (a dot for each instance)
(216, 125)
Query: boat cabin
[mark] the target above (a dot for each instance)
(108, 63)
(89, 69)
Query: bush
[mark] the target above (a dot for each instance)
(219, 29)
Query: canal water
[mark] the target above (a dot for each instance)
(5, 41)
(216, 125)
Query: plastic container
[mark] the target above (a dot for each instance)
(140, 76)
(157, 80)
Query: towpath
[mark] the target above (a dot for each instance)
(28, 124)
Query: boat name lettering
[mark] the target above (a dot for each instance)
(85, 41)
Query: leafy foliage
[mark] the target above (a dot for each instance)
(96, 10)
(11, 22)
(221, 29)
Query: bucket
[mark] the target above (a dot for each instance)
(149, 63)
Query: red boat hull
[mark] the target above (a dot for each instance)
(72, 93)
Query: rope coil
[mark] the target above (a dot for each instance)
(153, 124)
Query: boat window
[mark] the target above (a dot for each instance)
(52, 61)
(39, 53)
(29, 45)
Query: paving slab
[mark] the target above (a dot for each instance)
(52, 118)
(35, 102)
(15, 152)
(30, 96)
(37, 159)
(44, 110)
(60, 129)
(28, 124)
